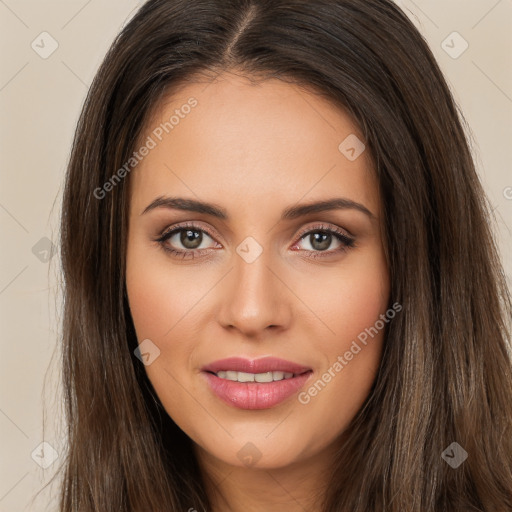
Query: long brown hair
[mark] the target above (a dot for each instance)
(445, 374)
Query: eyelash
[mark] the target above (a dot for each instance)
(346, 241)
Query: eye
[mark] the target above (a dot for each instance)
(189, 236)
(320, 238)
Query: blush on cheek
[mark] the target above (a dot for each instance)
(153, 291)
(352, 310)
(144, 307)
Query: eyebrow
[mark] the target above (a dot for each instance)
(293, 212)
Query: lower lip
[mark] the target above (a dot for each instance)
(255, 395)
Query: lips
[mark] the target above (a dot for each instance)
(255, 384)
(263, 365)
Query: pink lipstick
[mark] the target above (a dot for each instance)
(255, 384)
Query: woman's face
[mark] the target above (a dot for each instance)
(297, 294)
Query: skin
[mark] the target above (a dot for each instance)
(255, 150)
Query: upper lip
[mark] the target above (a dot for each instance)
(262, 365)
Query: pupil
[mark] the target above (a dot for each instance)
(191, 239)
(323, 243)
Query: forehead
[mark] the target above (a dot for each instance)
(237, 143)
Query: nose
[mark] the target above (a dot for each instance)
(255, 298)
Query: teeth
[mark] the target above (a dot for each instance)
(254, 377)
(245, 377)
(268, 376)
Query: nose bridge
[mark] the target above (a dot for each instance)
(255, 299)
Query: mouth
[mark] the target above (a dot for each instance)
(255, 384)
(274, 376)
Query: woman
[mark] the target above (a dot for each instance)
(282, 289)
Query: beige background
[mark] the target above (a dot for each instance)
(40, 100)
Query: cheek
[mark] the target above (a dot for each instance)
(362, 298)
(166, 301)
(352, 303)
(347, 299)
(164, 304)
(160, 295)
